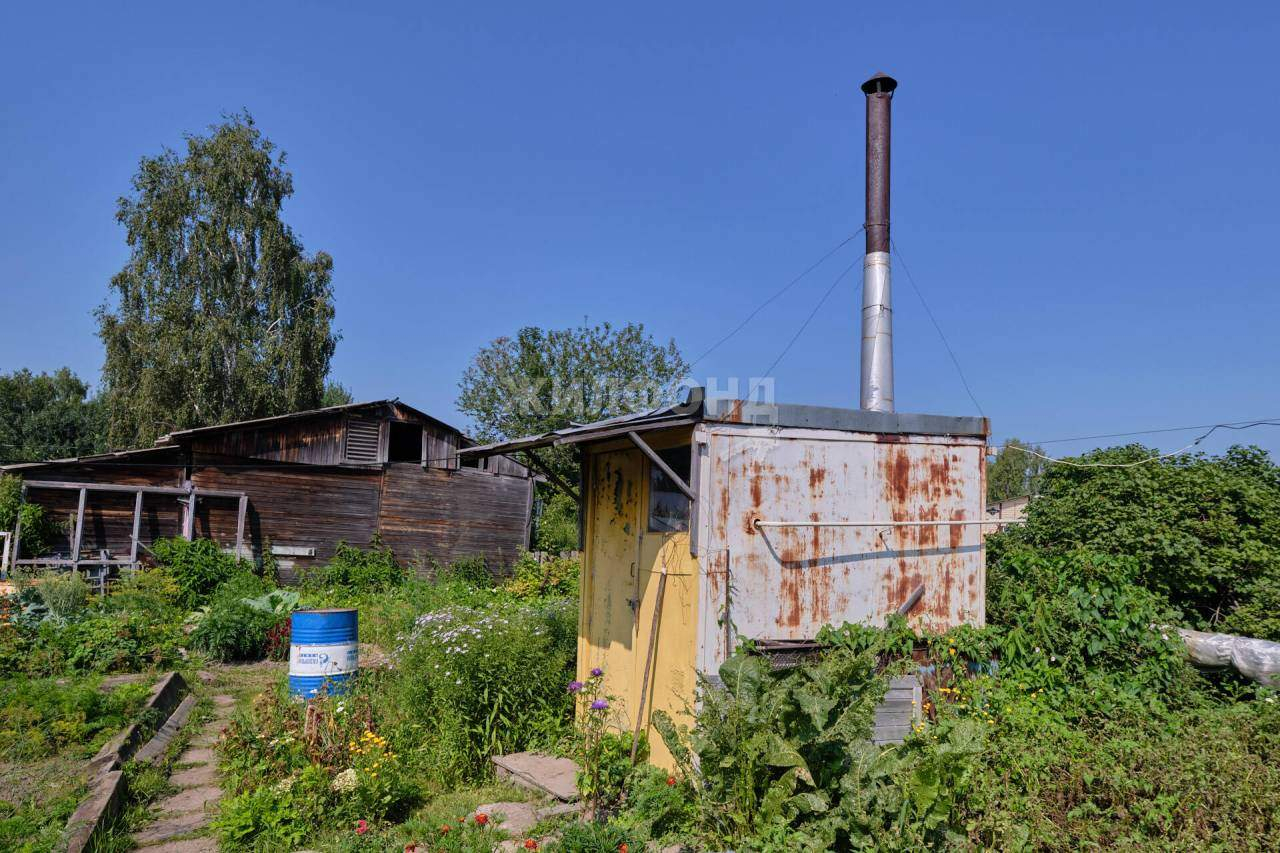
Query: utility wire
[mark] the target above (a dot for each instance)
(803, 326)
(1229, 425)
(771, 299)
(911, 280)
(1156, 458)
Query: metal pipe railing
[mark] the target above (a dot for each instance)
(759, 523)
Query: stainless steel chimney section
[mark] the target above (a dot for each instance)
(876, 387)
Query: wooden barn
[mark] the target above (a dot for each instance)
(298, 483)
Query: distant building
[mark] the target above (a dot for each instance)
(1014, 509)
(298, 483)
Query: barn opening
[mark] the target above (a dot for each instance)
(405, 443)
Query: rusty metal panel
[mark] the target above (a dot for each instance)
(786, 583)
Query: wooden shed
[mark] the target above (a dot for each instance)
(767, 522)
(300, 482)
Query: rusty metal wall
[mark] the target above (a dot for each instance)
(786, 583)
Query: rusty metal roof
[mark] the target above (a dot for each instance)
(695, 408)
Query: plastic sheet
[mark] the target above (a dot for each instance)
(1258, 660)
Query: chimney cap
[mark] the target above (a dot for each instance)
(880, 83)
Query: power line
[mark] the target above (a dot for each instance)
(1228, 425)
(771, 299)
(803, 326)
(1156, 458)
(911, 280)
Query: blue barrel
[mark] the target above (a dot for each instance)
(323, 652)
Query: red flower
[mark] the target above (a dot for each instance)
(481, 818)
(362, 826)
(671, 780)
(530, 844)
(445, 828)
(412, 847)
(622, 848)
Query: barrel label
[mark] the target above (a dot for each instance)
(328, 659)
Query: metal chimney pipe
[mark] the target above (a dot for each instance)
(876, 389)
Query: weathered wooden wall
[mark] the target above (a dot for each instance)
(317, 441)
(108, 518)
(448, 515)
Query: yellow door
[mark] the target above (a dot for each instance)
(608, 628)
(672, 679)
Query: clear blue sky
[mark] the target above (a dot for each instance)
(1086, 195)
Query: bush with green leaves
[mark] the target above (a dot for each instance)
(232, 628)
(487, 681)
(578, 837)
(198, 567)
(358, 569)
(557, 523)
(551, 576)
(38, 530)
(469, 570)
(64, 593)
(1204, 530)
(782, 759)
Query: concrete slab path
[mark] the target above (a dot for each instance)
(182, 820)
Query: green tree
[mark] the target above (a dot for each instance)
(1014, 471)
(218, 315)
(336, 394)
(48, 416)
(1204, 530)
(545, 379)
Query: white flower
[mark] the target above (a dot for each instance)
(346, 781)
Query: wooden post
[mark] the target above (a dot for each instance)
(137, 528)
(244, 507)
(75, 544)
(4, 554)
(17, 527)
(189, 519)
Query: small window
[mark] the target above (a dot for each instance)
(406, 442)
(668, 506)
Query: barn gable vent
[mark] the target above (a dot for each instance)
(362, 440)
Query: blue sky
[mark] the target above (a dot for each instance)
(1085, 195)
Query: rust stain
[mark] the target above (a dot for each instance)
(817, 476)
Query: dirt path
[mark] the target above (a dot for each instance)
(183, 819)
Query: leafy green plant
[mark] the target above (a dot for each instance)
(38, 531)
(40, 717)
(359, 569)
(483, 681)
(198, 567)
(469, 570)
(232, 630)
(590, 837)
(531, 578)
(604, 756)
(64, 593)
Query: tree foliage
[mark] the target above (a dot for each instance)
(336, 394)
(1204, 530)
(48, 416)
(218, 315)
(545, 379)
(1014, 472)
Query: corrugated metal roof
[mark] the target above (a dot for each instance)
(696, 408)
(176, 436)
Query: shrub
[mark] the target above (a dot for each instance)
(557, 523)
(1204, 530)
(198, 567)
(468, 570)
(351, 568)
(554, 577)
(151, 593)
(38, 531)
(64, 593)
(576, 837)
(105, 643)
(232, 629)
(482, 682)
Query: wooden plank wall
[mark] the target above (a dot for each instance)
(448, 515)
(302, 507)
(108, 518)
(316, 441)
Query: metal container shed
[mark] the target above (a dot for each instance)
(769, 521)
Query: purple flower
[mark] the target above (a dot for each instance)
(575, 686)
(599, 705)
(597, 672)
